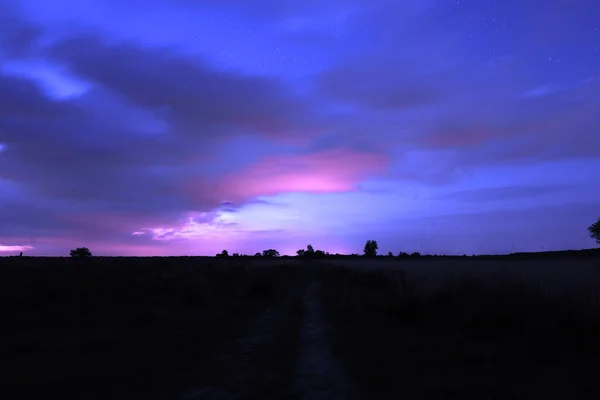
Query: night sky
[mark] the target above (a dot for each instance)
(182, 127)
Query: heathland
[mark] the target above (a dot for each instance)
(287, 327)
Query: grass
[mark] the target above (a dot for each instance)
(139, 326)
(466, 339)
(160, 328)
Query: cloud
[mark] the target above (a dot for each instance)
(197, 99)
(378, 86)
(77, 158)
(471, 111)
(504, 193)
(17, 35)
(14, 248)
(163, 147)
(539, 91)
(151, 117)
(324, 172)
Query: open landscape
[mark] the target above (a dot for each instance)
(190, 193)
(287, 327)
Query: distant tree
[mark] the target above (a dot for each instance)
(270, 253)
(390, 254)
(21, 254)
(370, 249)
(236, 254)
(310, 252)
(81, 252)
(257, 255)
(416, 254)
(224, 253)
(403, 254)
(594, 230)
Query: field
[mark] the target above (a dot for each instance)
(206, 328)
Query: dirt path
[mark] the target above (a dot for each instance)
(243, 370)
(318, 374)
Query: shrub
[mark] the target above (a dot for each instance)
(81, 252)
(370, 249)
(222, 254)
(270, 253)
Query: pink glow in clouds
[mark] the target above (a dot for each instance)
(14, 248)
(324, 172)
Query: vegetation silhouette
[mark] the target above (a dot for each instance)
(223, 254)
(463, 334)
(594, 231)
(370, 249)
(310, 252)
(81, 252)
(270, 253)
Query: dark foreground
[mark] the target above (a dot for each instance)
(177, 328)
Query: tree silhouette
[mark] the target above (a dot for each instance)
(81, 252)
(371, 248)
(594, 230)
(270, 253)
(310, 252)
(224, 253)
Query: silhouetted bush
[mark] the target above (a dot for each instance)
(594, 231)
(320, 254)
(310, 252)
(81, 252)
(270, 253)
(223, 254)
(370, 249)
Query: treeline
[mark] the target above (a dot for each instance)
(370, 250)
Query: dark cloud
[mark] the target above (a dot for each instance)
(475, 112)
(17, 36)
(194, 97)
(142, 148)
(504, 193)
(386, 86)
(130, 146)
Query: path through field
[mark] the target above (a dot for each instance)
(301, 331)
(319, 376)
(252, 366)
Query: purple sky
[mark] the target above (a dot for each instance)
(182, 127)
